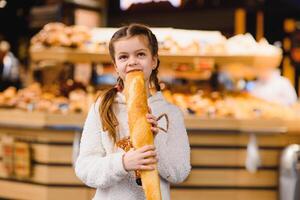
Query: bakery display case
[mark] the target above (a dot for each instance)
(218, 147)
(220, 124)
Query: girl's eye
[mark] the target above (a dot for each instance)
(141, 54)
(122, 57)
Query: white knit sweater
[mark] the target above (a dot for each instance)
(99, 163)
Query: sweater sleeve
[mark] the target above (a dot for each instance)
(173, 149)
(93, 166)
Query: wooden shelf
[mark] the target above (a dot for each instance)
(263, 126)
(77, 55)
(37, 119)
(168, 72)
(73, 120)
(67, 55)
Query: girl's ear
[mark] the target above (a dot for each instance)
(155, 60)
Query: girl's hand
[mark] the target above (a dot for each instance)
(153, 121)
(143, 158)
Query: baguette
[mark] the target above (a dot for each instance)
(140, 128)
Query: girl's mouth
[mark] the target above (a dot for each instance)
(132, 70)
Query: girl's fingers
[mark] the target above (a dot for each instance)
(148, 154)
(150, 116)
(146, 148)
(149, 161)
(146, 167)
(154, 129)
(152, 122)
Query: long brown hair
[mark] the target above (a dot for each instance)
(107, 115)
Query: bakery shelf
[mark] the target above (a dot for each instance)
(76, 55)
(293, 127)
(197, 123)
(262, 126)
(67, 55)
(223, 60)
(38, 119)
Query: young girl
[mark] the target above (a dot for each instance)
(106, 160)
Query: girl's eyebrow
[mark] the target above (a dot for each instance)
(134, 51)
(122, 53)
(141, 50)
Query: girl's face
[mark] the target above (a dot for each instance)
(134, 54)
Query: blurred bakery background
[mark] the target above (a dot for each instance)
(232, 66)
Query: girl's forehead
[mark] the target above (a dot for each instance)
(126, 42)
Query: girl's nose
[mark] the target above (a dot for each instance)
(132, 62)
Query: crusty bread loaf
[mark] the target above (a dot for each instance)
(140, 128)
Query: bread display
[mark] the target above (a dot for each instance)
(191, 44)
(230, 105)
(140, 128)
(34, 98)
(202, 103)
(60, 35)
(171, 41)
